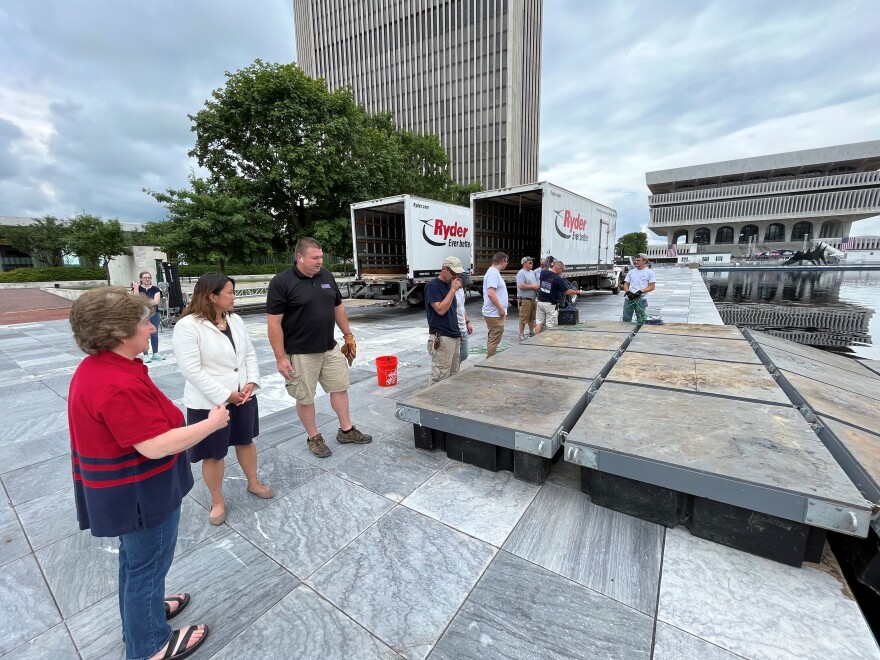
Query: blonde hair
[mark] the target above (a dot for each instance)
(103, 317)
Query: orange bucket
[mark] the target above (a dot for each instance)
(386, 370)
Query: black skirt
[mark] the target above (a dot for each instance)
(243, 427)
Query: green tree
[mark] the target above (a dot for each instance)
(631, 244)
(96, 240)
(208, 223)
(45, 240)
(303, 154)
(334, 236)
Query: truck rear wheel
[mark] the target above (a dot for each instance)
(615, 290)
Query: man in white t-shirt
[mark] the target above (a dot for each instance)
(638, 282)
(495, 301)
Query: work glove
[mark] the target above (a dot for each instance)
(631, 295)
(349, 349)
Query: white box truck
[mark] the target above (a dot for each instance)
(400, 243)
(540, 219)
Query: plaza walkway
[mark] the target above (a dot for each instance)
(384, 551)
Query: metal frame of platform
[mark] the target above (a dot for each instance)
(447, 415)
(837, 446)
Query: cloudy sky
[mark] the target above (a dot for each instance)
(94, 95)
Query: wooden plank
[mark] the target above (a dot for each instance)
(550, 361)
(694, 330)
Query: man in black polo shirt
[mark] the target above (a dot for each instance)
(302, 307)
(440, 306)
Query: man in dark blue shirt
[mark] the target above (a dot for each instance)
(553, 288)
(440, 306)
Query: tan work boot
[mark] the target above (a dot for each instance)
(353, 435)
(318, 447)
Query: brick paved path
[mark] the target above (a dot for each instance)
(31, 305)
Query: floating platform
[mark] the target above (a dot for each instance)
(716, 444)
(840, 396)
(675, 424)
(512, 411)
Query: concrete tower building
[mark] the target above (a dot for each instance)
(466, 70)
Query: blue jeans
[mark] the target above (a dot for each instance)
(154, 338)
(639, 306)
(144, 559)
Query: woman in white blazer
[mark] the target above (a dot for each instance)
(216, 356)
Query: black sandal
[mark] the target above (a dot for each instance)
(180, 638)
(181, 605)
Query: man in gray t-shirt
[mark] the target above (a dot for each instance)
(526, 289)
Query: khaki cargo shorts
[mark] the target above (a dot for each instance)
(527, 310)
(330, 369)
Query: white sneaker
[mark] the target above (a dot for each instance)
(158, 356)
(146, 358)
(522, 337)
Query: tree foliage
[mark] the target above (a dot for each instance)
(210, 223)
(631, 244)
(45, 240)
(301, 155)
(96, 240)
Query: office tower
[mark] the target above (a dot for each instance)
(466, 70)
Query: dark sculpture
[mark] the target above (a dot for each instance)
(818, 253)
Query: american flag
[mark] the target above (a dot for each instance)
(670, 250)
(847, 243)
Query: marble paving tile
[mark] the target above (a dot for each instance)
(25, 600)
(276, 468)
(80, 569)
(13, 543)
(232, 585)
(303, 625)
(670, 643)
(298, 448)
(484, 504)
(30, 452)
(307, 527)
(194, 526)
(759, 608)
(54, 644)
(609, 552)
(555, 618)
(404, 579)
(49, 518)
(391, 469)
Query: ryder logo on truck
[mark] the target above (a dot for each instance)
(440, 233)
(572, 227)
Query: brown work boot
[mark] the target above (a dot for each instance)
(318, 447)
(353, 435)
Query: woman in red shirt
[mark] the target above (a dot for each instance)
(130, 470)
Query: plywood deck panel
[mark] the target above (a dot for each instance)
(730, 350)
(549, 361)
(694, 330)
(857, 382)
(836, 402)
(810, 353)
(766, 446)
(747, 381)
(493, 398)
(602, 341)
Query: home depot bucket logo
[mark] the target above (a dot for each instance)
(572, 227)
(442, 234)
